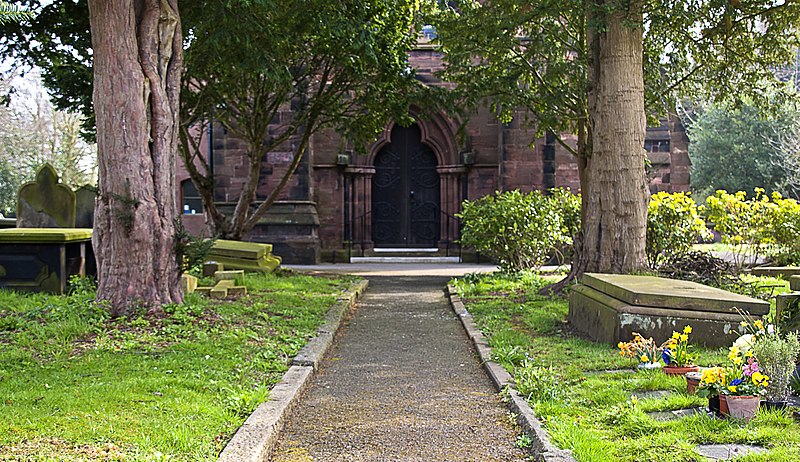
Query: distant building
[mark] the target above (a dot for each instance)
(405, 191)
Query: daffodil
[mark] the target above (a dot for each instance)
(687, 329)
(758, 324)
(684, 338)
(675, 335)
(734, 352)
(644, 359)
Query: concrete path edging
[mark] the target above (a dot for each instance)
(254, 440)
(544, 450)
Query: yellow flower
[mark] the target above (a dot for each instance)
(620, 345)
(760, 379)
(759, 324)
(743, 324)
(644, 359)
(675, 335)
(734, 352)
(684, 338)
(687, 330)
(732, 388)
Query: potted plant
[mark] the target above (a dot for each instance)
(712, 380)
(675, 352)
(745, 384)
(776, 353)
(645, 351)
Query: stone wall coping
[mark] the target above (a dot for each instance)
(44, 235)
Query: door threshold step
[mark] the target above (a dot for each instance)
(405, 250)
(405, 260)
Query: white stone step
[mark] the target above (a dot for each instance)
(396, 259)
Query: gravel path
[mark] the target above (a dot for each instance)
(400, 384)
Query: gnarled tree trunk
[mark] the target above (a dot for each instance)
(616, 194)
(137, 49)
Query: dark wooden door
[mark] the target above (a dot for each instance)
(405, 192)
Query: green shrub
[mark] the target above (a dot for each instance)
(785, 227)
(745, 224)
(519, 231)
(673, 225)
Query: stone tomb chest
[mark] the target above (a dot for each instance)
(43, 259)
(610, 307)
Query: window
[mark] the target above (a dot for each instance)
(192, 203)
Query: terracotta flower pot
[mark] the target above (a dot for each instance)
(692, 381)
(723, 406)
(743, 407)
(679, 370)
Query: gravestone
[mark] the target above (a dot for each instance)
(609, 308)
(45, 203)
(84, 206)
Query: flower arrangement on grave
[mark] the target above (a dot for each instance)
(675, 353)
(646, 351)
(744, 384)
(776, 353)
(743, 376)
(712, 380)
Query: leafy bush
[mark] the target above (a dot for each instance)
(785, 227)
(776, 355)
(517, 230)
(673, 225)
(745, 224)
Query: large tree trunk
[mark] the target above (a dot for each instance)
(137, 49)
(615, 218)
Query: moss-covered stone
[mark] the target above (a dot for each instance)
(239, 249)
(45, 203)
(44, 235)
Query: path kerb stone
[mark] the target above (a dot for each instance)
(543, 449)
(254, 440)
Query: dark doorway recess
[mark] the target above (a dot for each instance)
(405, 192)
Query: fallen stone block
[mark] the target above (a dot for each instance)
(225, 284)
(189, 283)
(218, 293)
(233, 275)
(209, 268)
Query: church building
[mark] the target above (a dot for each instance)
(401, 196)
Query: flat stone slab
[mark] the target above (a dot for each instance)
(664, 416)
(240, 249)
(775, 271)
(654, 394)
(44, 235)
(660, 292)
(610, 308)
(727, 451)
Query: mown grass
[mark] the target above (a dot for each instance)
(76, 385)
(596, 414)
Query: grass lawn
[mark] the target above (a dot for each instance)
(602, 416)
(75, 385)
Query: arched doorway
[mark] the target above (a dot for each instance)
(405, 192)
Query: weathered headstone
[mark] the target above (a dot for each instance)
(84, 206)
(610, 307)
(45, 203)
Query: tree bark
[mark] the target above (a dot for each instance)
(137, 47)
(616, 194)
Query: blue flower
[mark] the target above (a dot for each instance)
(736, 382)
(666, 355)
